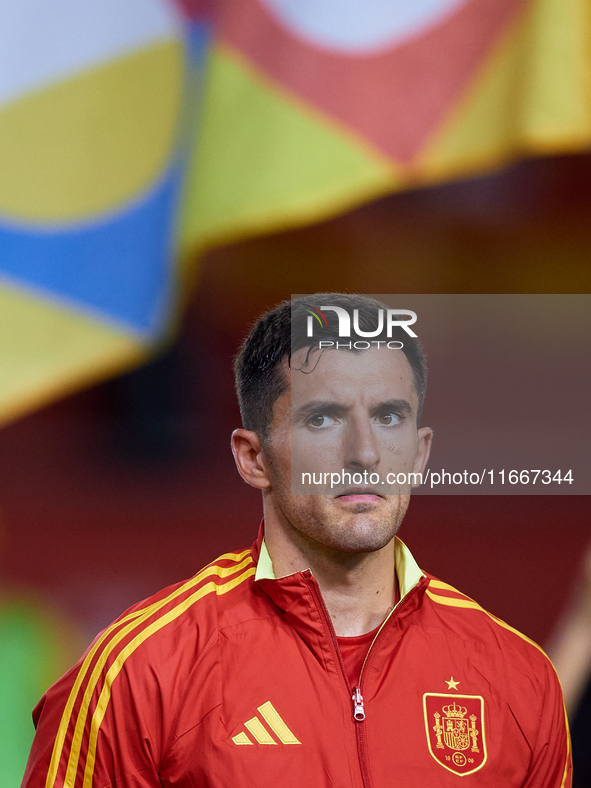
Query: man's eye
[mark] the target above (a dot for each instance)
(389, 418)
(321, 420)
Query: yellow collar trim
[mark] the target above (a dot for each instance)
(265, 565)
(407, 570)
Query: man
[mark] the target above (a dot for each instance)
(322, 656)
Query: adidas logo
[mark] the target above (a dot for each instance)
(260, 734)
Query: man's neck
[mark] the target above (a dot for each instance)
(358, 588)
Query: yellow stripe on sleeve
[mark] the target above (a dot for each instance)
(466, 602)
(469, 603)
(136, 618)
(117, 665)
(503, 624)
(101, 662)
(444, 586)
(453, 602)
(568, 748)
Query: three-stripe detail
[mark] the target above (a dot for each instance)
(261, 734)
(134, 629)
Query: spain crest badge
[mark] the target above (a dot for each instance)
(455, 731)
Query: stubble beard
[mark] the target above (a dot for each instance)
(315, 522)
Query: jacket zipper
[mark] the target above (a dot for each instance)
(358, 705)
(352, 691)
(355, 692)
(395, 609)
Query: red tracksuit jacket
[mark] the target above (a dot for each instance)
(233, 679)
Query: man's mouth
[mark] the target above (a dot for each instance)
(359, 495)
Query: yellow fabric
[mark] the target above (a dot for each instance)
(48, 350)
(265, 565)
(407, 570)
(277, 725)
(258, 730)
(265, 159)
(557, 98)
(93, 141)
(533, 95)
(241, 738)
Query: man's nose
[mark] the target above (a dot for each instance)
(361, 448)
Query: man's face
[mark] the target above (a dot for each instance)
(353, 412)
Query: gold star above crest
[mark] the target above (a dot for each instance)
(451, 684)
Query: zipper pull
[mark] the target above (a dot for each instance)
(358, 707)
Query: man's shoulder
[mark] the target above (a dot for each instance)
(466, 620)
(223, 579)
(216, 579)
(187, 614)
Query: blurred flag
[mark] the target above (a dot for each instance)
(310, 107)
(316, 105)
(97, 112)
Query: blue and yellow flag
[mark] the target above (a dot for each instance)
(309, 108)
(97, 110)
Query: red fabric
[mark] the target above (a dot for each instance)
(175, 689)
(354, 649)
(397, 98)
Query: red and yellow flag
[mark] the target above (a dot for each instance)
(315, 107)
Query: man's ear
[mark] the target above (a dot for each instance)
(249, 459)
(424, 449)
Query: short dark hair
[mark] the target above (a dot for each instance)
(279, 333)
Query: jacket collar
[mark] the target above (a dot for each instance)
(407, 570)
(298, 600)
